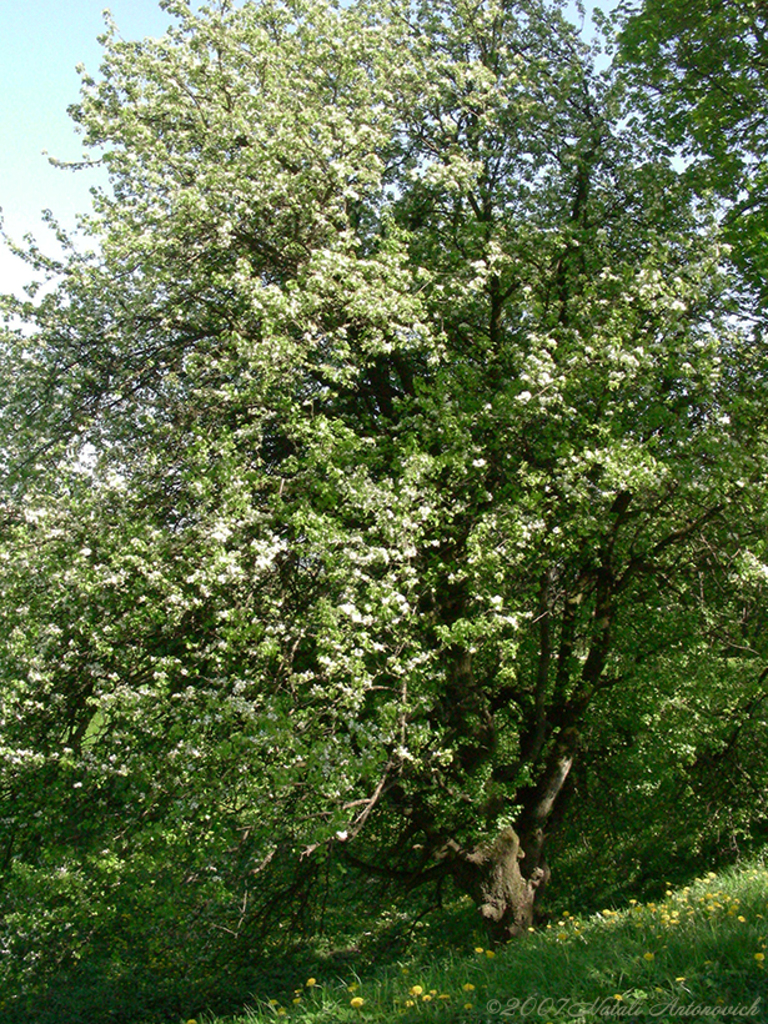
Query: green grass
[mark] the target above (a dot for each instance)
(701, 953)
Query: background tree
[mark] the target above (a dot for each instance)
(394, 450)
(703, 72)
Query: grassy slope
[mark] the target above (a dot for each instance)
(700, 954)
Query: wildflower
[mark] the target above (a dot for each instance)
(649, 956)
(619, 997)
(426, 998)
(273, 1002)
(479, 949)
(356, 1002)
(681, 978)
(311, 982)
(297, 1000)
(467, 1006)
(353, 987)
(741, 918)
(759, 957)
(468, 986)
(416, 990)
(444, 995)
(490, 954)
(409, 1002)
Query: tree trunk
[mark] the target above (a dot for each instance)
(506, 877)
(503, 884)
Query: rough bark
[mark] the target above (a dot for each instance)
(492, 875)
(506, 877)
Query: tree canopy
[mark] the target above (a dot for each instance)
(708, 102)
(399, 446)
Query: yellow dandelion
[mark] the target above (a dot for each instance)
(353, 987)
(409, 1002)
(619, 997)
(741, 918)
(490, 954)
(444, 995)
(356, 1002)
(426, 998)
(479, 949)
(649, 956)
(468, 1006)
(296, 1000)
(759, 957)
(468, 986)
(311, 982)
(416, 990)
(681, 978)
(273, 1002)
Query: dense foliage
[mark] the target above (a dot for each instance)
(707, 102)
(400, 446)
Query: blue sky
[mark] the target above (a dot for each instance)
(41, 42)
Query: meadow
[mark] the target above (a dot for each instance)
(697, 953)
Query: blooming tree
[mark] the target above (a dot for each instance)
(399, 422)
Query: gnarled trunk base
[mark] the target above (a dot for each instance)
(503, 886)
